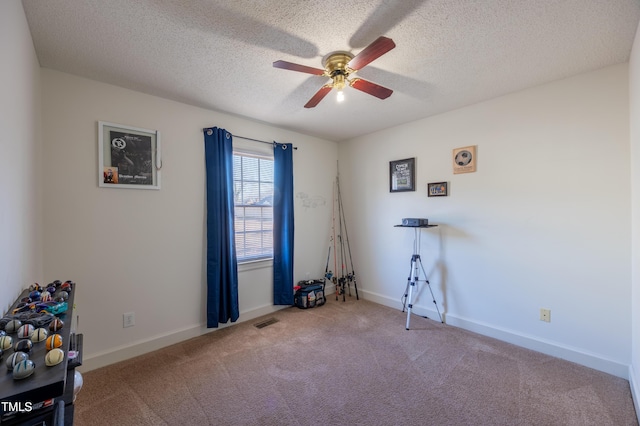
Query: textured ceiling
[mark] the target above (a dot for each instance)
(218, 54)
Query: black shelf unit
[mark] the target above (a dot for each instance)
(49, 390)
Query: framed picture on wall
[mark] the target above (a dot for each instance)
(128, 157)
(464, 160)
(437, 189)
(402, 175)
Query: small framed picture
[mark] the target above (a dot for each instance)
(128, 157)
(437, 189)
(464, 160)
(402, 175)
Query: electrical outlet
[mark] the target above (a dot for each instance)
(128, 319)
(545, 315)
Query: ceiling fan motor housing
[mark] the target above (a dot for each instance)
(336, 66)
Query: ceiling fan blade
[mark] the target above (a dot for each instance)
(370, 88)
(372, 52)
(297, 67)
(320, 94)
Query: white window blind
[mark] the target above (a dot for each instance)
(253, 199)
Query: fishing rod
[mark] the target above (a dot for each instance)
(333, 239)
(351, 276)
(342, 280)
(327, 273)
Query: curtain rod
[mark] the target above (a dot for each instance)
(251, 139)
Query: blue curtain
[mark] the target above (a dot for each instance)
(222, 267)
(283, 224)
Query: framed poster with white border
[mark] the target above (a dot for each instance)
(128, 157)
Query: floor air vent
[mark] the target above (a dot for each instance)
(266, 323)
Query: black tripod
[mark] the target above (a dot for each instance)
(413, 280)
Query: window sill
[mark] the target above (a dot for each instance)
(255, 264)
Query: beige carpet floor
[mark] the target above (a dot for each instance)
(350, 363)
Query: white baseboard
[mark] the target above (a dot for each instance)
(124, 352)
(590, 360)
(154, 343)
(635, 390)
(555, 349)
(428, 312)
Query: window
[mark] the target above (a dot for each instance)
(253, 199)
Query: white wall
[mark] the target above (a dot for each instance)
(543, 223)
(634, 113)
(143, 251)
(20, 185)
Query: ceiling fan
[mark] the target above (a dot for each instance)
(339, 66)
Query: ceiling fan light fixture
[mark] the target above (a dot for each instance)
(339, 81)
